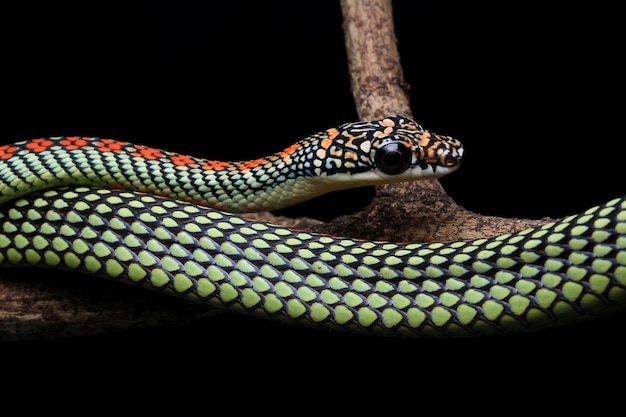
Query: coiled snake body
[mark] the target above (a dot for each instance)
(116, 210)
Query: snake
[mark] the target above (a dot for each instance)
(177, 224)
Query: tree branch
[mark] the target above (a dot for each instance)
(376, 75)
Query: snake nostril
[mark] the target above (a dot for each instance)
(451, 160)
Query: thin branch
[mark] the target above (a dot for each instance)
(376, 75)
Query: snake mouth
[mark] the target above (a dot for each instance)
(453, 159)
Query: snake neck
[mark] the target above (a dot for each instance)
(246, 186)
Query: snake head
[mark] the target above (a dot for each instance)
(389, 150)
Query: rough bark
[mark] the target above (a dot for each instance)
(42, 307)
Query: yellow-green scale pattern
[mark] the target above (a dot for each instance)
(566, 270)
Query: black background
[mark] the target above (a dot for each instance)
(534, 93)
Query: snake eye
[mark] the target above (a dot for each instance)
(393, 158)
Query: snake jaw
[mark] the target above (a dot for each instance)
(432, 170)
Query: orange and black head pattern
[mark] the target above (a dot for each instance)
(388, 146)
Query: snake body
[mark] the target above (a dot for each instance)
(56, 214)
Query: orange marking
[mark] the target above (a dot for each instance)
(332, 134)
(387, 122)
(384, 133)
(181, 160)
(147, 152)
(350, 155)
(352, 137)
(290, 149)
(338, 152)
(215, 166)
(73, 142)
(251, 164)
(110, 145)
(38, 145)
(425, 139)
(432, 149)
(6, 151)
